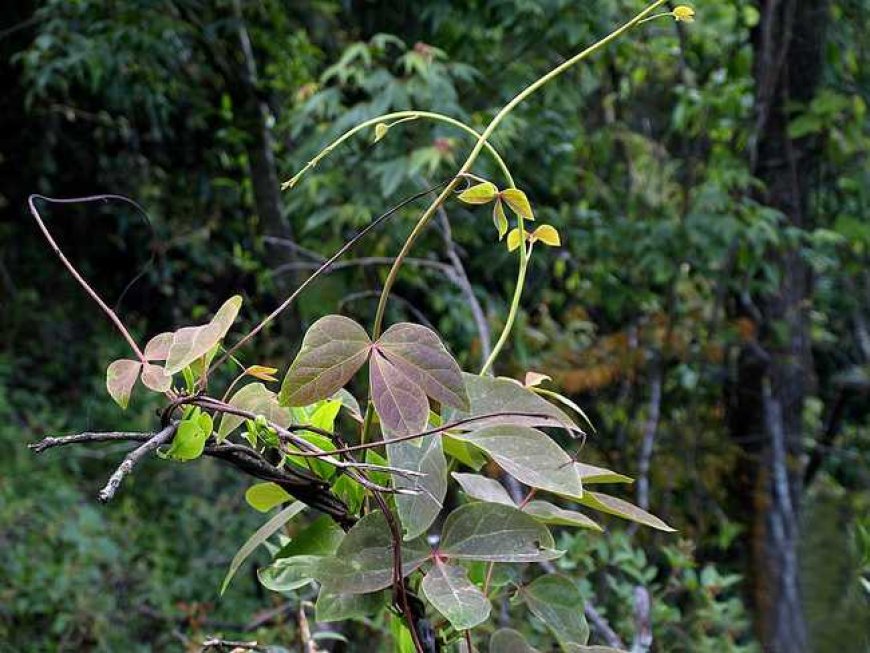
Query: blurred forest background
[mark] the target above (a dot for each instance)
(709, 307)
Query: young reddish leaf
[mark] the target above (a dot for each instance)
(157, 348)
(154, 377)
(121, 376)
(519, 203)
(621, 508)
(548, 513)
(479, 193)
(265, 496)
(484, 488)
(262, 372)
(333, 349)
(547, 235)
(401, 404)
(529, 456)
(421, 356)
(418, 511)
(254, 398)
(451, 593)
(557, 602)
(191, 343)
(499, 218)
(534, 379)
(495, 533)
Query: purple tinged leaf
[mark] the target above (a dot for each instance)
(157, 348)
(483, 488)
(401, 404)
(333, 350)
(154, 377)
(418, 511)
(421, 356)
(451, 593)
(121, 376)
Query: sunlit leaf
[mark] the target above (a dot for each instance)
(191, 343)
(157, 348)
(549, 513)
(451, 593)
(262, 534)
(495, 533)
(121, 376)
(154, 377)
(483, 193)
(189, 440)
(547, 235)
(265, 496)
(381, 130)
(519, 203)
(557, 602)
(483, 488)
(262, 372)
(622, 508)
(499, 218)
(363, 561)
(333, 349)
(417, 512)
(529, 456)
(421, 356)
(506, 640)
(255, 398)
(401, 404)
(514, 239)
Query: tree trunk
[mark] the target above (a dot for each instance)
(775, 366)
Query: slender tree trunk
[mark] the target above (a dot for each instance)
(774, 367)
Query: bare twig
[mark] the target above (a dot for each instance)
(86, 438)
(132, 459)
(308, 643)
(601, 626)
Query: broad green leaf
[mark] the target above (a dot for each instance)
(483, 193)
(488, 395)
(451, 593)
(154, 377)
(557, 602)
(401, 636)
(324, 415)
(191, 343)
(519, 203)
(363, 561)
(255, 398)
(622, 508)
(499, 218)
(321, 537)
(322, 468)
(590, 475)
(334, 606)
(288, 574)
(189, 441)
(465, 453)
(506, 640)
(495, 533)
(349, 491)
(483, 488)
(265, 496)
(157, 348)
(417, 512)
(548, 235)
(400, 403)
(333, 349)
(551, 514)
(421, 356)
(262, 534)
(121, 376)
(529, 456)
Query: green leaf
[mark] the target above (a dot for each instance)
(265, 496)
(333, 349)
(622, 508)
(557, 602)
(400, 403)
(350, 492)
(495, 533)
(189, 440)
(323, 469)
(191, 343)
(463, 452)
(255, 398)
(483, 193)
(334, 606)
(499, 218)
(363, 561)
(350, 404)
(590, 475)
(321, 538)
(488, 395)
(402, 640)
(121, 376)
(324, 415)
(506, 640)
(417, 512)
(548, 513)
(288, 574)
(451, 593)
(483, 488)
(530, 456)
(519, 203)
(421, 356)
(262, 534)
